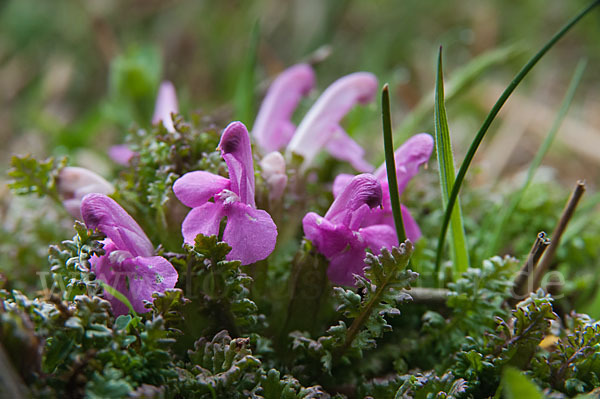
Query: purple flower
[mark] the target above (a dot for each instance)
(273, 127)
(339, 235)
(166, 104)
(128, 264)
(121, 154)
(250, 232)
(409, 157)
(320, 128)
(74, 183)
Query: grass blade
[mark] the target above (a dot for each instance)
(461, 80)
(505, 216)
(244, 94)
(458, 247)
(390, 163)
(112, 291)
(491, 116)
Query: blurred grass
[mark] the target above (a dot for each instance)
(60, 61)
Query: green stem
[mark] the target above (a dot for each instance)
(358, 323)
(489, 119)
(390, 163)
(505, 216)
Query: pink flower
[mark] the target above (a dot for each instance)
(166, 104)
(339, 235)
(273, 127)
(121, 154)
(128, 264)
(74, 183)
(250, 232)
(409, 157)
(320, 128)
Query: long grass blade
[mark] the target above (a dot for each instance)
(390, 163)
(461, 80)
(505, 216)
(490, 118)
(458, 247)
(244, 101)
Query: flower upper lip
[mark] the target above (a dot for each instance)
(320, 127)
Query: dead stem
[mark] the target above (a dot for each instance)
(567, 213)
(520, 286)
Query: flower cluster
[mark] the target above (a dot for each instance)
(358, 219)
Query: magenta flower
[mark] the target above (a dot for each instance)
(273, 127)
(128, 264)
(121, 154)
(320, 128)
(409, 157)
(166, 104)
(250, 232)
(74, 183)
(339, 235)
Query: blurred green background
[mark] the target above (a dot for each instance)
(76, 74)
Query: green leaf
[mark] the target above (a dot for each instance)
(118, 295)
(492, 115)
(458, 247)
(462, 79)
(505, 216)
(244, 94)
(390, 163)
(30, 176)
(516, 385)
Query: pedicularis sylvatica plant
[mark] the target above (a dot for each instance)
(222, 263)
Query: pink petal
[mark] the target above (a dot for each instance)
(250, 232)
(137, 279)
(195, 188)
(74, 183)
(322, 120)
(385, 217)
(409, 157)
(345, 264)
(362, 189)
(121, 154)
(166, 103)
(379, 236)
(411, 228)
(236, 150)
(103, 213)
(205, 219)
(146, 276)
(273, 171)
(342, 147)
(340, 183)
(273, 128)
(328, 238)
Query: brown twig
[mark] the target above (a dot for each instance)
(565, 217)
(537, 250)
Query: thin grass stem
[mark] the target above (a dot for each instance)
(490, 118)
(390, 163)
